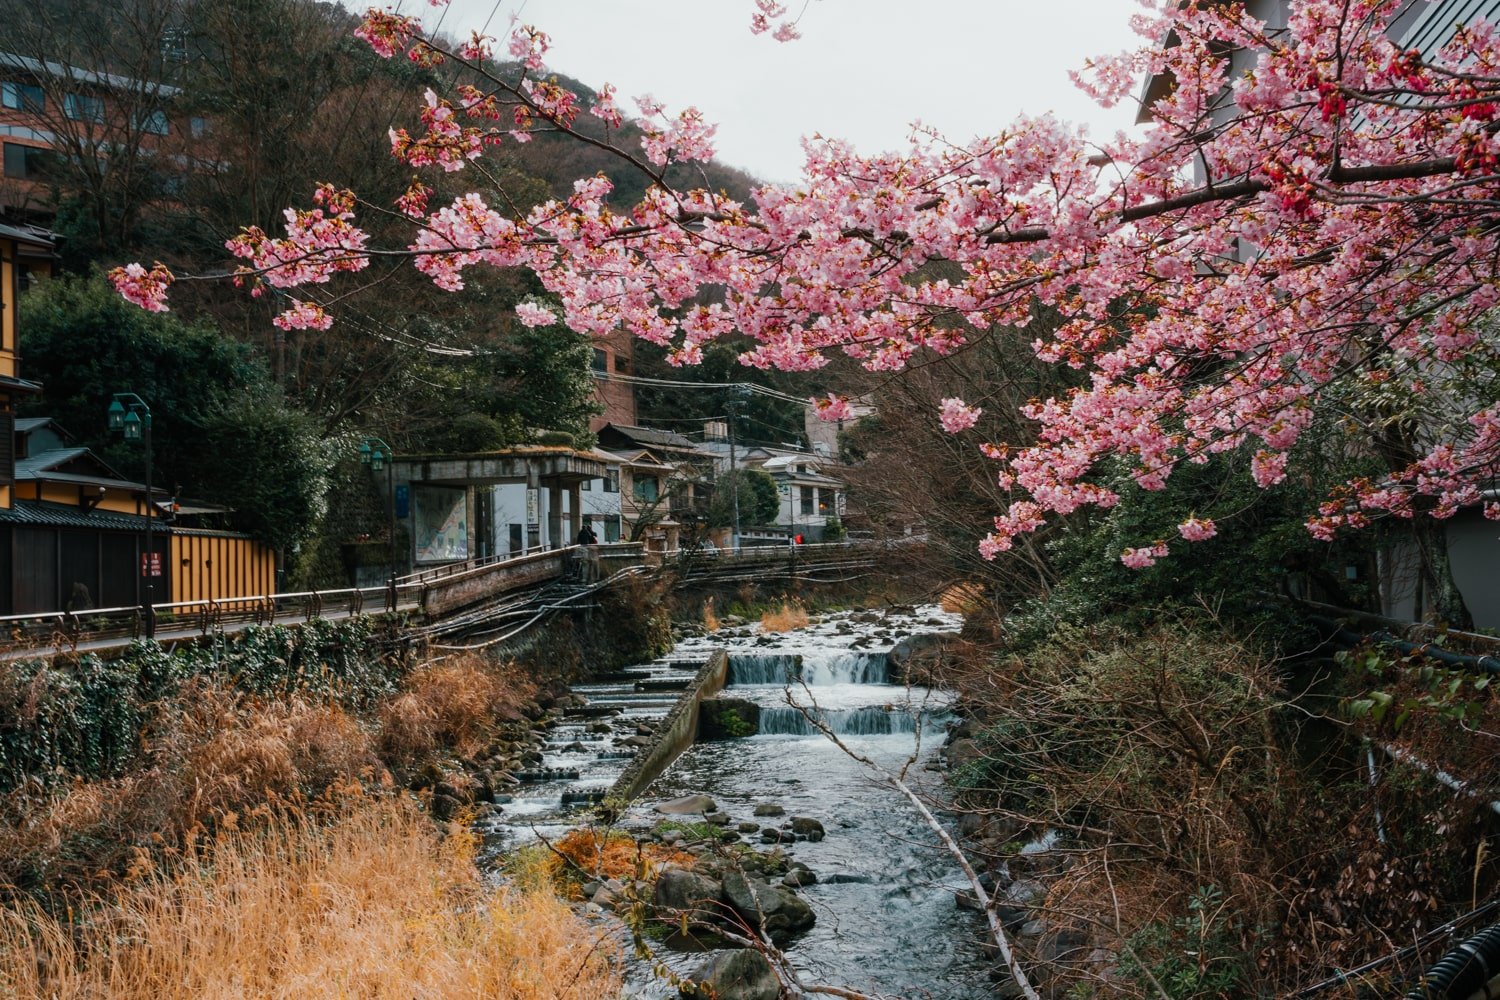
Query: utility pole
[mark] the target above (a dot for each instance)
(129, 414)
(734, 478)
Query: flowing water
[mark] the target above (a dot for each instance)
(887, 922)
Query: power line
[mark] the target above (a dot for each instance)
(750, 387)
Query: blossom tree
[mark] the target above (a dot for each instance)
(1318, 232)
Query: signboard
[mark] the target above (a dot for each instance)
(441, 524)
(150, 564)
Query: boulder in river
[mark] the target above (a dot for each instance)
(782, 911)
(769, 809)
(735, 975)
(688, 805)
(683, 889)
(806, 826)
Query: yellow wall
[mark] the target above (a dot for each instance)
(114, 500)
(7, 293)
(212, 567)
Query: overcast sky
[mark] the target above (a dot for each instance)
(862, 71)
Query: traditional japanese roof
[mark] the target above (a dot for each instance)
(59, 515)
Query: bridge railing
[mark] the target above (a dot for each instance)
(49, 631)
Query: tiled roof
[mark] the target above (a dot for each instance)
(654, 435)
(59, 515)
(45, 461)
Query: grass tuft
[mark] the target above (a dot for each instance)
(373, 902)
(791, 615)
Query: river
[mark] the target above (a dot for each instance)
(887, 922)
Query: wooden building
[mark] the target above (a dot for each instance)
(72, 529)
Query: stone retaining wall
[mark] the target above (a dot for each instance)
(677, 731)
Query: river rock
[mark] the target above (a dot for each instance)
(782, 911)
(445, 807)
(769, 809)
(718, 818)
(688, 805)
(735, 975)
(799, 876)
(748, 826)
(806, 826)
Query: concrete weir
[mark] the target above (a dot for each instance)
(676, 732)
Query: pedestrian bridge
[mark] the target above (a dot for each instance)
(446, 599)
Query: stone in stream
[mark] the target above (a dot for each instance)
(806, 826)
(768, 809)
(688, 805)
(747, 827)
(717, 818)
(745, 974)
(782, 911)
(680, 889)
(799, 876)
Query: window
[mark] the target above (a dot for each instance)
(647, 489)
(83, 108)
(588, 486)
(601, 361)
(22, 97)
(612, 482)
(824, 497)
(807, 499)
(152, 122)
(198, 126)
(25, 162)
(611, 529)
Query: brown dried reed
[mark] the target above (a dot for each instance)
(374, 903)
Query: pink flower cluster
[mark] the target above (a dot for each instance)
(1337, 252)
(1144, 557)
(147, 289)
(956, 415)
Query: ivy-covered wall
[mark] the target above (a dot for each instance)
(85, 718)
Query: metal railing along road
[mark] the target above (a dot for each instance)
(103, 627)
(100, 628)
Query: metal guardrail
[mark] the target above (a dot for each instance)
(183, 620)
(191, 619)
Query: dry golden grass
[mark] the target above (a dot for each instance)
(373, 904)
(963, 599)
(790, 615)
(611, 855)
(710, 618)
(218, 754)
(455, 704)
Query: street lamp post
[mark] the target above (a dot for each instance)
(731, 409)
(378, 455)
(129, 415)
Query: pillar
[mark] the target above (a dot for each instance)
(575, 513)
(554, 516)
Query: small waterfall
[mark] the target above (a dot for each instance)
(763, 668)
(868, 721)
(845, 667)
(816, 668)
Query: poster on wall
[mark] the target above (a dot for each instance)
(441, 524)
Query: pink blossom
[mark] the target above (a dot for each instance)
(1196, 529)
(303, 316)
(147, 289)
(531, 314)
(832, 408)
(956, 415)
(1143, 557)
